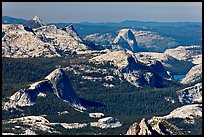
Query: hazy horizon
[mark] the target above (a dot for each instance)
(105, 12)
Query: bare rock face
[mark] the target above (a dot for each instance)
(139, 129)
(186, 53)
(133, 129)
(23, 41)
(194, 75)
(191, 94)
(62, 87)
(144, 129)
(188, 112)
(70, 29)
(156, 66)
(145, 39)
(129, 69)
(126, 40)
(153, 126)
(56, 82)
(107, 122)
(34, 22)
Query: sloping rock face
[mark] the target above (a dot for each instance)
(126, 40)
(56, 82)
(70, 29)
(157, 67)
(194, 75)
(186, 53)
(62, 87)
(128, 68)
(189, 112)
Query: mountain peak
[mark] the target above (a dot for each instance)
(35, 22)
(57, 82)
(70, 29)
(37, 19)
(126, 40)
(71, 26)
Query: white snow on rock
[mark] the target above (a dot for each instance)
(96, 115)
(73, 125)
(28, 132)
(9, 134)
(108, 85)
(70, 30)
(169, 99)
(107, 122)
(65, 39)
(64, 112)
(191, 94)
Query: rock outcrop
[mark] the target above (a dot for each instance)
(30, 125)
(128, 68)
(191, 94)
(107, 122)
(134, 129)
(56, 82)
(96, 115)
(126, 40)
(170, 63)
(151, 41)
(62, 87)
(186, 112)
(19, 41)
(154, 126)
(34, 23)
(194, 75)
(186, 53)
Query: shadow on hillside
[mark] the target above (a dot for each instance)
(88, 103)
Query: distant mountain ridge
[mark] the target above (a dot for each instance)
(12, 20)
(126, 23)
(133, 23)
